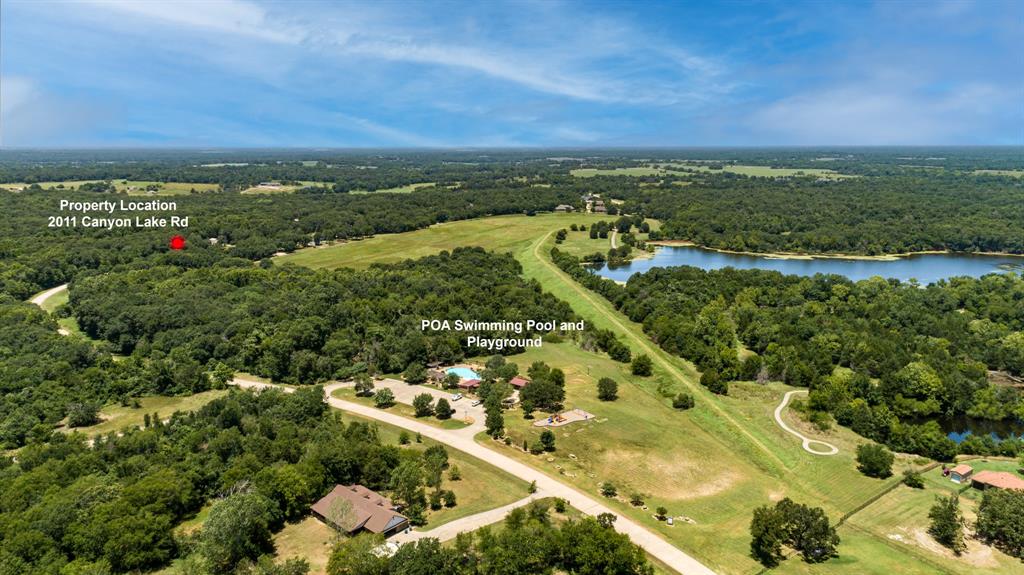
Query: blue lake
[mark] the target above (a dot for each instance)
(926, 268)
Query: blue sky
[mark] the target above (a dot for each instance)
(492, 74)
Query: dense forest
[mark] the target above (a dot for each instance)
(46, 377)
(898, 213)
(296, 325)
(34, 257)
(878, 355)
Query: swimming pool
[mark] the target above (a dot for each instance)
(463, 372)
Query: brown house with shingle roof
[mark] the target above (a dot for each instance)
(351, 508)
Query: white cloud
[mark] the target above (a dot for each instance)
(875, 114)
(221, 16)
(29, 115)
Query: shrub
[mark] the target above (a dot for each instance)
(608, 489)
(682, 401)
(607, 389)
(642, 365)
(874, 460)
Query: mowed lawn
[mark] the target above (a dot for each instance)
(501, 233)
(580, 244)
(685, 460)
(900, 518)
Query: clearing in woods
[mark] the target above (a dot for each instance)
(500, 233)
(130, 187)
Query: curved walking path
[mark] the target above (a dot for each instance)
(646, 539)
(830, 449)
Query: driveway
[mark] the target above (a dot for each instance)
(652, 543)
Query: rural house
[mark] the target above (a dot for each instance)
(960, 473)
(352, 508)
(518, 382)
(563, 208)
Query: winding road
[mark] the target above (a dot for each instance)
(830, 449)
(646, 539)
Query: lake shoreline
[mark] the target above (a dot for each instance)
(800, 256)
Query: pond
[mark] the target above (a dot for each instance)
(926, 268)
(960, 427)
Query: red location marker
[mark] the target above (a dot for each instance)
(177, 243)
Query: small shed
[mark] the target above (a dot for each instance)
(563, 208)
(961, 473)
(469, 384)
(518, 382)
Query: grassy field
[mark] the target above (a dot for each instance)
(1011, 173)
(502, 233)
(116, 416)
(308, 539)
(580, 244)
(131, 187)
(665, 169)
(713, 464)
(900, 519)
(636, 171)
(278, 189)
(399, 189)
(764, 171)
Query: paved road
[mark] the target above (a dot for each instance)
(649, 541)
(471, 523)
(830, 449)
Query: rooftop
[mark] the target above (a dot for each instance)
(1000, 479)
(352, 507)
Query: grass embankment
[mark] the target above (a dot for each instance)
(502, 234)
(713, 464)
(131, 187)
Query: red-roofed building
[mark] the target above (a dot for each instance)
(518, 382)
(960, 473)
(469, 384)
(351, 508)
(998, 479)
